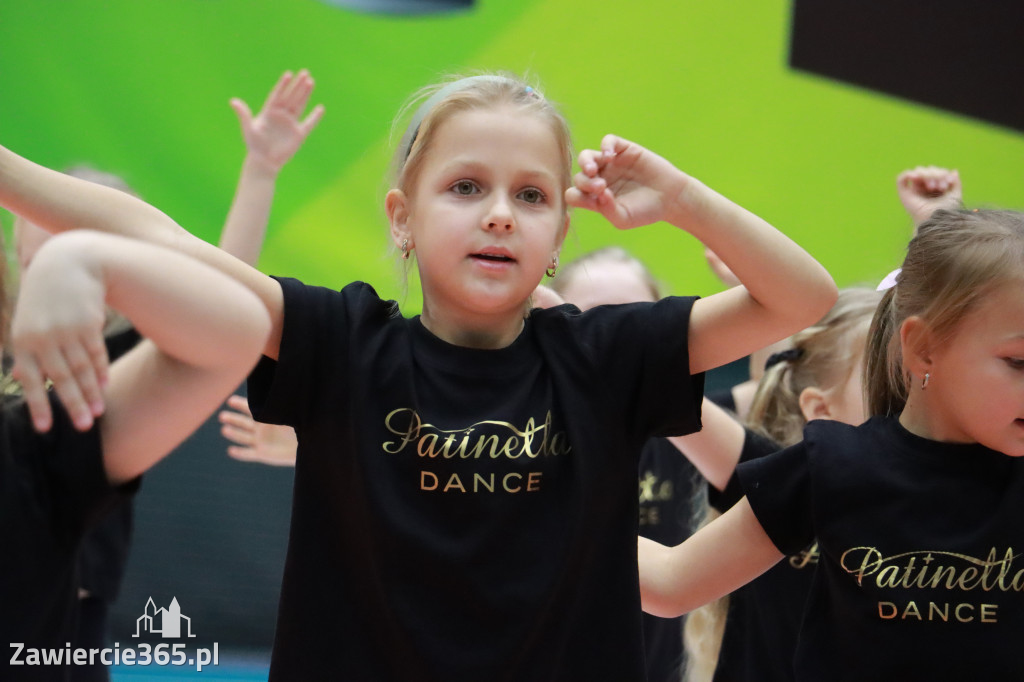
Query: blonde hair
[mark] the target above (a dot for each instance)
(956, 259)
(608, 254)
(437, 103)
(824, 355)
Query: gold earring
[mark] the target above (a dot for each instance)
(405, 249)
(550, 272)
(924, 382)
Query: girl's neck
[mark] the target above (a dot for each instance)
(498, 332)
(920, 420)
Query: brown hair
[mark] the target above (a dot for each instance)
(956, 258)
(608, 254)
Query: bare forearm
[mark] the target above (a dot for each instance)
(58, 202)
(716, 448)
(246, 226)
(776, 272)
(721, 557)
(192, 312)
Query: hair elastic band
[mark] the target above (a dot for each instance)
(788, 355)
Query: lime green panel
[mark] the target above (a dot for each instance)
(141, 88)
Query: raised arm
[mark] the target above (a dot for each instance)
(58, 202)
(204, 333)
(724, 555)
(271, 139)
(783, 288)
(925, 189)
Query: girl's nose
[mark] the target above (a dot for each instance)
(499, 216)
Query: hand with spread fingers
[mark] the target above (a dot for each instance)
(57, 336)
(276, 132)
(254, 441)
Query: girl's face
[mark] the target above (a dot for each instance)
(976, 389)
(485, 216)
(604, 282)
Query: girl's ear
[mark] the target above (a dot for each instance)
(814, 404)
(916, 344)
(396, 205)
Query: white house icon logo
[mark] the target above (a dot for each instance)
(165, 622)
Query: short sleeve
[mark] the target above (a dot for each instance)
(755, 446)
(310, 370)
(640, 353)
(778, 488)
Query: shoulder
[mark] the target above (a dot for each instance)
(308, 305)
(639, 319)
(827, 435)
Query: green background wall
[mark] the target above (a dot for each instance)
(141, 88)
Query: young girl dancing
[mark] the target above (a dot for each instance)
(465, 501)
(817, 377)
(56, 479)
(916, 512)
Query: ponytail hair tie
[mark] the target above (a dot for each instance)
(788, 355)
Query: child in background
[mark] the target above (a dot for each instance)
(819, 377)
(271, 139)
(666, 480)
(922, 191)
(925, 189)
(465, 488)
(58, 477)
(917, 511)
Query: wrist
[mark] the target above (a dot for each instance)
(688, 199)
(259, 166)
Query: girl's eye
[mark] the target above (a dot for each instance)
(1015, 363)
(532, 195)
(465, 187)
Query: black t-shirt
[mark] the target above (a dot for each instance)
(465, 514)
(764, 615)
(52, 486)
(667, 484)
(919, 575)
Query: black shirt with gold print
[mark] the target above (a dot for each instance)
(920, 575)
(466, 514)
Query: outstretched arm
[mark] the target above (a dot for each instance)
(204, 333)
(783, 288)
(925, 189)
(724, 555)
(271, 139)
(58, 202)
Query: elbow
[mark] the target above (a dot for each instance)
(817, 299)
(258, 329)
